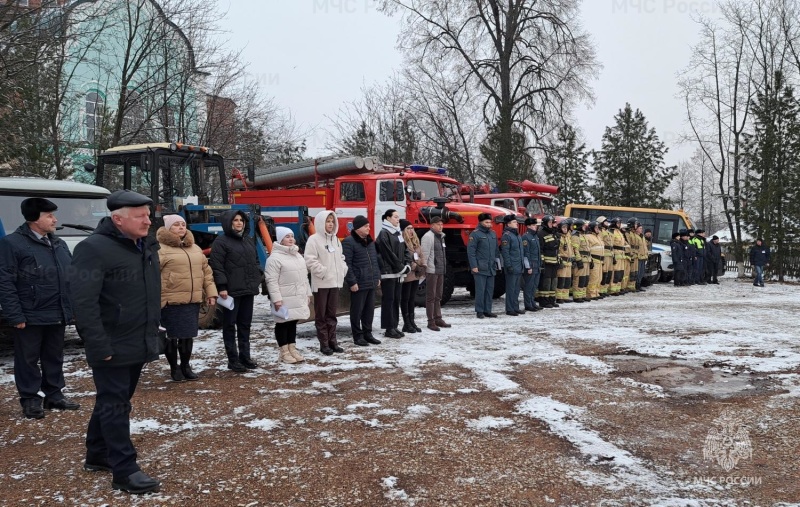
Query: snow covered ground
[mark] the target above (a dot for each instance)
(580, 377)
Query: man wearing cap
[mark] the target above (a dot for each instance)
(513, 255)
(532, 265)
(714, 258)
(116, 291)
(482, 255)
(35, 302)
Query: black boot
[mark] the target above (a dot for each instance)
(185, 347)
(171, 353)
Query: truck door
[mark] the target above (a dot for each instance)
(390, 195)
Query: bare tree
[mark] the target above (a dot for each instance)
(526, 61)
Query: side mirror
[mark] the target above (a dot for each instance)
(89, 167)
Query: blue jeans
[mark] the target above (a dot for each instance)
(759, 270)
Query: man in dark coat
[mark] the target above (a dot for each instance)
(116, 291)
(513, 254)
(363, 277)
(35, 301)
(532, 264)
(759, 258)
(714, 259)
(482, 255)
(237, 274)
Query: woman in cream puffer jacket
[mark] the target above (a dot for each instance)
(325, 261)
(287, 282)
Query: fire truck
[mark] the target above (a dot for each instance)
(526, 198)
(352, 186)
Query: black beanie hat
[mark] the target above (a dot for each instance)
(404, 223)
(32, 207)
(359, 221)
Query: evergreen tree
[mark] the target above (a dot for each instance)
(629, 167)
(771, 157)
(495, 155)
(565, 166)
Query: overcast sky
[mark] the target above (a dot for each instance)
(312, 56)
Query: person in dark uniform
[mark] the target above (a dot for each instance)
(691, 257)
(482, 255)
(714, 259)
(512, 254)
(532, 264)
(115, 284)
(548, 243)
(35, 302)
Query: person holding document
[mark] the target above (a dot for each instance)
(287, 282)
(186, 279)
(237, 275)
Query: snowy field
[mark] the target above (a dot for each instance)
(676, 396)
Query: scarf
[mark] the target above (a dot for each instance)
(393, 230)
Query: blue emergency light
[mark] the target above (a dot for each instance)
(428, 169)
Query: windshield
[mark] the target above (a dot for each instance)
(422, 190)
(86, 211)
(533, 207)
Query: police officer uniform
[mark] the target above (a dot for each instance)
(512, 254)
(482, 255)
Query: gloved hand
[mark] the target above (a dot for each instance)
(614, 261)
(591, 264)
(580, 264)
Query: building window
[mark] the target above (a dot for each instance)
(94, 115)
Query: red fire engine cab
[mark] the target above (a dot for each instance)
(525, 197)
(353, 186)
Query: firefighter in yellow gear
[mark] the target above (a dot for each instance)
(618, 260)
(565, 258)
(597, 257)
(580, 269)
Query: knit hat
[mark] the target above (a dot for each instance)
(404, 223)
(32, 207)
(170, 220)
(282, 232)
(484, 216)
(714, 237)
(359, 221)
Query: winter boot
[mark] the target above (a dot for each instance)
(441, 323)
(286, 356)
(185, 347)
(295, 354)
(433, 327)
(334, 345)
(171, 353)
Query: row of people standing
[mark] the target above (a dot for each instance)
(553, 264)
(695, 260)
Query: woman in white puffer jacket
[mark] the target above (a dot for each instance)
(325, 262)
(287, 283)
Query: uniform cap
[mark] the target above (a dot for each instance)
(32, 207)
(127, 199)
(484, 216)
(714, 237)
(359, 221)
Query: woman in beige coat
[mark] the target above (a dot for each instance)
(412, 279)
(186, 279)
(289, 291)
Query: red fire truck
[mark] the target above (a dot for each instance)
(525, 197)
(353, 186)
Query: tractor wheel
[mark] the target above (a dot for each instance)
(210, 317)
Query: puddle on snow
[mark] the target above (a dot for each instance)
(686, 379)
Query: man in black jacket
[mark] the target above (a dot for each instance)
(116, 291)
(363, 277)
(714, 259)
(35, 302)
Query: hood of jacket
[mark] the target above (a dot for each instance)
(166, 237)
(319, 225)
(226, 220)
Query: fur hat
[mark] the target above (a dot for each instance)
(31, 208)
(509, 218)
(484, 216)
(530, 221)
(170, 220)
(282, 232)
(359, 221)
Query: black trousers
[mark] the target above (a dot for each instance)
(109, 433)
(34, 345)
(236, 328)
(391, 291)
(362, 311)
(286, 332)
(407, 296)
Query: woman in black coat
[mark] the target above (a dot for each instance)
(395, 263)
(237, 275)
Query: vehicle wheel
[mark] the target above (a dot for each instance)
(210, 317)
(419, 297)
(449, 287)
